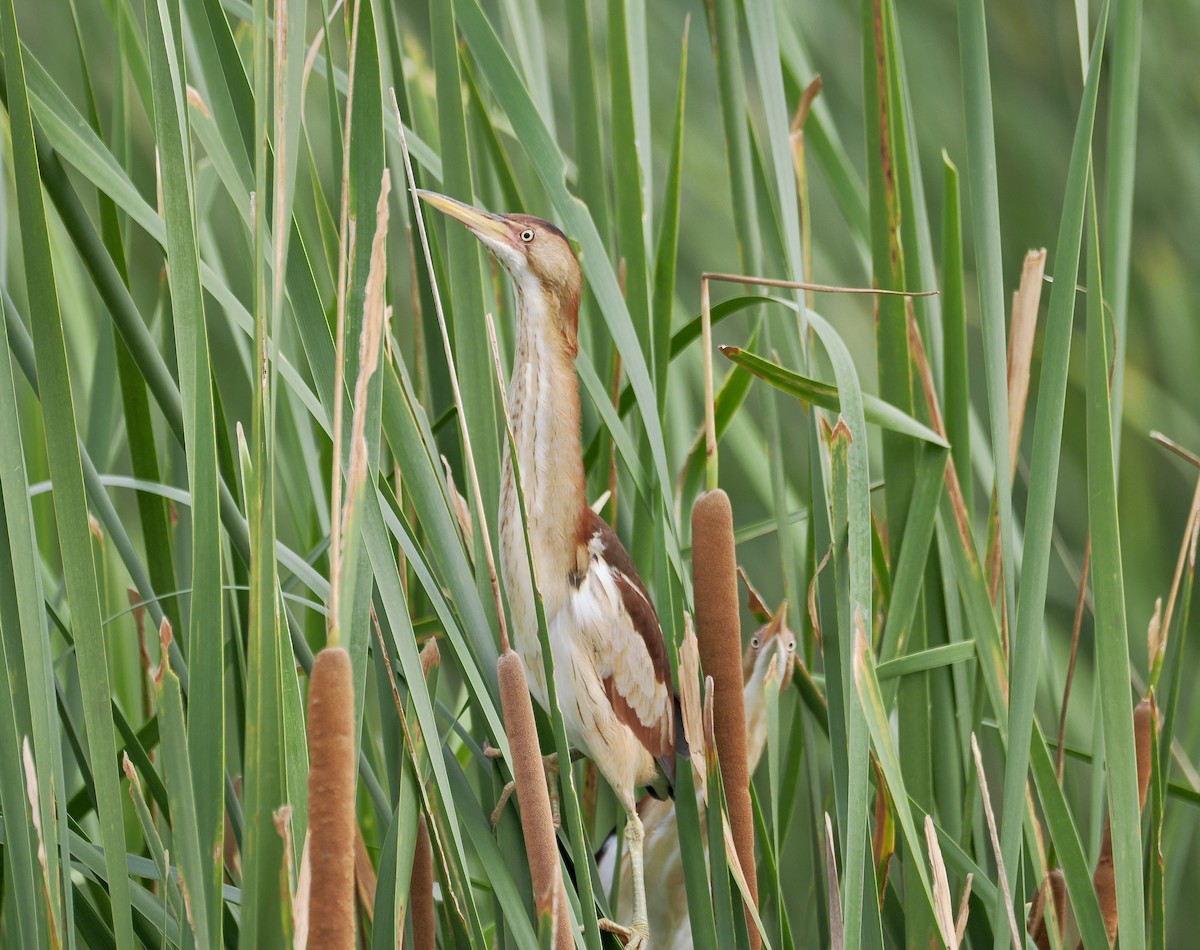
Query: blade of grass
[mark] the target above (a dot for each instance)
(985, 235)
(140, 436)
(875, 410)
(392, 894)
(383, 566)
(184, 819)
(1176, 636)
(956, 366)
(24, 872)
(721, 900)
(66, 472)
(1026, 643)
(129, 323)
(205, 641)
(154, 841)
(1119, 186)
(666, 252)
(822, 136)
(692, 330)
(919, 270)
(1067, 845)
(28, 661)
(876, 715)
(463, 266)
(1155, 899)
(891, 214)
(852, 531)
(1108, 590)
(726, 48)
(427, 494)
(1004, 897)
(688, 798)
(591, 176)
(762, 32)
(914, 552)
(629, 188)
(727, 401)
(70, 134)
(266, 742)
(924, 660)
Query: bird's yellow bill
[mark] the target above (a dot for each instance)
(481, 222)
(775, 626)
(776, 623)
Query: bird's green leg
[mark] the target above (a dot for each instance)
(637, 935)
(550, 764)
(634, 836)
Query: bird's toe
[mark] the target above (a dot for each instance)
(636, 936)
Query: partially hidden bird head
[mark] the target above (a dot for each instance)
(774, 640)
(536, 254)
(771, 651)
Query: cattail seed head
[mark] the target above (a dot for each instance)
(537, 824)
(718, 629)
(1145, 719)
(424, 917)
(331, 815)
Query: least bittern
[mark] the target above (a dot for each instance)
(610, 661)
(772, 643)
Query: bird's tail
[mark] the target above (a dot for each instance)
(666, 763)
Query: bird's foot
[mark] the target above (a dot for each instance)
(505, 795)
(550, 765)
(635, 937)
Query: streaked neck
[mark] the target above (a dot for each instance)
(543, 403)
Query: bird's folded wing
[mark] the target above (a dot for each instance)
(631, 656)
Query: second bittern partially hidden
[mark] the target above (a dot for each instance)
(610, 661)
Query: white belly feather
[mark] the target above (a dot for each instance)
(578, 626)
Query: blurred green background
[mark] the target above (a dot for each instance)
(1035, 69)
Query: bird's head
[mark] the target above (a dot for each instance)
(774, 640)
(535, 253)
(773, 644)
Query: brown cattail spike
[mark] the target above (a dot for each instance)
(331, 818)
(718, 630)
(424, 917)
(529, 774)
(1145, 718)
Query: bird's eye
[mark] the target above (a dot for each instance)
(791, 646)
(527, 235)
(754, 643)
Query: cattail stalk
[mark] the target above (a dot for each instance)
(529, 774)
(718, 629)
(331, 819)
(424, 918)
